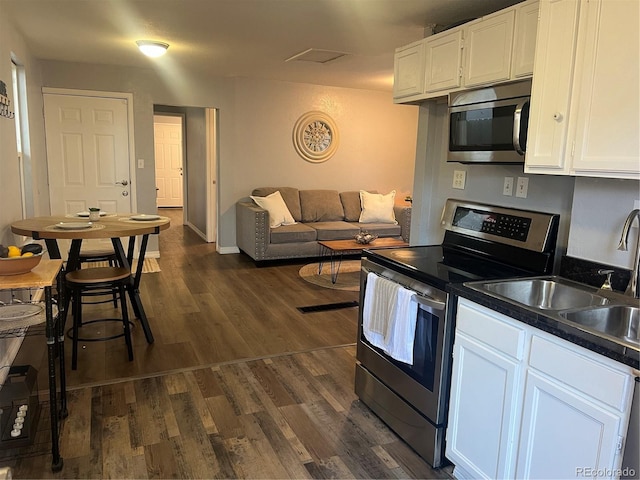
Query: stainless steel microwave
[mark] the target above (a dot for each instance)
(489, 125)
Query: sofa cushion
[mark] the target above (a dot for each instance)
(377, 208)
(334, 230)
(296, 233)
(278, 212)
(380, 229)
(351, 205)
(321, 206)
(290, 196)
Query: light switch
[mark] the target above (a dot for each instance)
(507, 189)
(141, 163)
(522, 187)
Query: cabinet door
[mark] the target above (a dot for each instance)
(488, 45)
(551, 89)
(524, 47)
(482, 412)
(443, 61)
(563, 432)
(408, 72)
(607, 91)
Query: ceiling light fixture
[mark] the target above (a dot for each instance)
(152, 48)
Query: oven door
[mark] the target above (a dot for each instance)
(420, 384)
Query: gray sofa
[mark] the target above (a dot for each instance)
(319, 215)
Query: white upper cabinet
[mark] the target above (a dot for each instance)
(488, 46)
(607, 90)
(408, 70)
(496, 48)
(443, 58)
(551, 88)
(586, 91)
(524, 37)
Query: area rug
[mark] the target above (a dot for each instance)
(348, 275)
(150, 265)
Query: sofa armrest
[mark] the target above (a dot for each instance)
(403, 217)
(252, 229)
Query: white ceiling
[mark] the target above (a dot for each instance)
(248, 38)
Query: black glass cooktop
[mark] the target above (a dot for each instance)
(439, 266)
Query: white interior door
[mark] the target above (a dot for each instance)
(89, 148)
(88, 154)
(168, 160)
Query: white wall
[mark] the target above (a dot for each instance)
(11, 45)
(600, 207)
(256, 119)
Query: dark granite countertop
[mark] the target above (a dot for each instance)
(538, 319)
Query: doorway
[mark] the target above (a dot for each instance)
(199, 165)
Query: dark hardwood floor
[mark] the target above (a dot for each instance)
(238, 384)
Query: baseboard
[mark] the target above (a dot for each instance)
(196, 230)
(227, 250)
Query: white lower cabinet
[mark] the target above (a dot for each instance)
(526, 404)
(483, 404)
(564, 434)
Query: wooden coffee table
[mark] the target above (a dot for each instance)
(336, 249)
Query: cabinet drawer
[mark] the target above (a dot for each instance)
(491, 328)
(582, 370)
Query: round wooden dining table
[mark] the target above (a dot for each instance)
(112, 226)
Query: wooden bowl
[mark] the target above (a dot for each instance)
(19, 265)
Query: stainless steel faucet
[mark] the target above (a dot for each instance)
(632, 288)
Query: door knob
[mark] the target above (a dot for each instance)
(124, 183)
(125, 193)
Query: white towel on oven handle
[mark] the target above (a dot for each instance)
(389, 317)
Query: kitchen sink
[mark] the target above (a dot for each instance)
(545, 294)
(615, 320)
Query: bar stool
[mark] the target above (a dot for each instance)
(91, 255)
(83, 281)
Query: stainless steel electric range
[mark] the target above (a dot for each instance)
(480, 242)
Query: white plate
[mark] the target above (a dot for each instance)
(144, 217)
(86, 214)
(73, 225)
(19, 310)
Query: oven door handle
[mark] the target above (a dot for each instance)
(430, 303)
(427, 302)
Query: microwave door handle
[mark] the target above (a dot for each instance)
(517, 117)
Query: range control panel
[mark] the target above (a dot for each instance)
(502, 225)
(522, 228)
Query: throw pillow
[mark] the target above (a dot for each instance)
(279, 214)
(377, 208)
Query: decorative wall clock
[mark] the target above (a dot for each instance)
(315, 137)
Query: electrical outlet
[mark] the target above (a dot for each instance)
(141, 163)
(459, 179)
(507, 189)
(522, 187)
